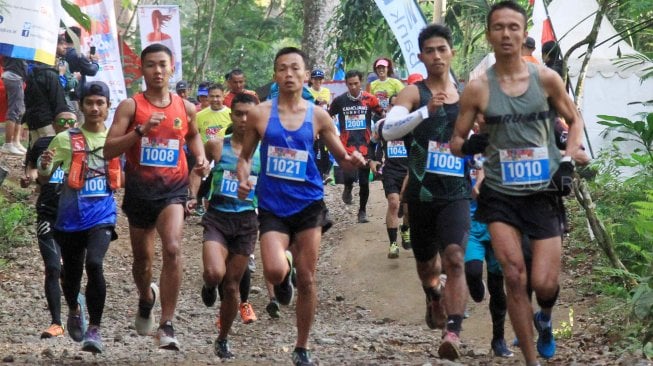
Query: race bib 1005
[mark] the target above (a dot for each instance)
(159, 152)
(229, 185)
(524, 166)
(441, 161)
(287, 163)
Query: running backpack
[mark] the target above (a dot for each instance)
(79, 163)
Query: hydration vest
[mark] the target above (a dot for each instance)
(79, 163)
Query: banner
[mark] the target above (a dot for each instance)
(27, 29)
(406, 21)
(160, 24)
(104, 37)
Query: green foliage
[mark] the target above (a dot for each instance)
(638, 132)
(15, 219)
(76, 13)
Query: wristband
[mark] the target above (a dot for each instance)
(138, 131)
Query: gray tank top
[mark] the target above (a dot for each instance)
(522, 156)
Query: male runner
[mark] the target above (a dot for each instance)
(150, 129)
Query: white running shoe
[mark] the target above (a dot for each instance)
(145, 325)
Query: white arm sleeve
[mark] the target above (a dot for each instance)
(399, 122)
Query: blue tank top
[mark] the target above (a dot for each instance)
(289, 179)
(224, 185)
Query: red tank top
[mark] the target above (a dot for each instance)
(156, 165)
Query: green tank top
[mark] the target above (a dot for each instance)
(426, 186)
(522, 155)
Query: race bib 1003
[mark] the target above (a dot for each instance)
(441, 161)
(396, 149)
(355, 122)
(229, 185)
(57, 176)
(287, 163)
(524, 166)
(159, 152)
(95, 187)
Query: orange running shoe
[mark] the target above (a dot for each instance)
(247, 313)
(54, 330)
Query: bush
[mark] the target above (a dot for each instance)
(16, 219)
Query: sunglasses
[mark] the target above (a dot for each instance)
(66, 121)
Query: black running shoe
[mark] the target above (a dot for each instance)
(302, 357)
(347, 197)
(222, 349)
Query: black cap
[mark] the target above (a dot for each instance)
(96, 88)
(181, 85)
(529, 43)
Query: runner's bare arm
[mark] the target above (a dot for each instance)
(194, 140)
(118, 141)
(565, 106)
(469, 108)
(256, 122)
(327, 132)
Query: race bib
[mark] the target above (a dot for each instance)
(57, 176)
(384, 102)
(524, 166)
(229, 185)
(287, 163)
(441, 161)
(355, 122)
(95, 187)
(159, 153)
(396, 149)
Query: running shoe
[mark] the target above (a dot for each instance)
(54, 330)
(222, 349)
(11, 149)
(166, 336)
(92, 340)
(393, 251)
(500, 348)
(326, 179)
(209, 295)
(546, 344)
(145, 323)
(76, 323)
(362, 217)
(284, 292)
(405, 239)
(247, 313)
(273, 309)
(302, 357)
(436, 315)
(20, 147)
(251, 263)
(347, 197)
(450, 346)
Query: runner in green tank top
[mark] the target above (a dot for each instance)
(525, 171)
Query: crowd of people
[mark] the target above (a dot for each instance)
(476, 175)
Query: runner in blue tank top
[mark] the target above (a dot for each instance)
(292, 214)
(524, 172)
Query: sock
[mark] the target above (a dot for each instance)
(432, 293)
(404, 227)
(454, 323)
(144, 308)
(392, 234)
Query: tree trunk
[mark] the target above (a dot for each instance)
(316, 15)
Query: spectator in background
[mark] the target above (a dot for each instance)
(527, 50)
(386, 85)
(182, 89)
(552, 56)
(203, 95)
(13, 76)
(80, 65)
(66, 78)
(236, 84)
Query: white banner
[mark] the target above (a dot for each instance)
(27, 29)
(161, 24)
(104, 37)
(406, 21)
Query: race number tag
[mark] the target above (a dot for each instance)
(396, 149)
(159, 153)
(287, 163)
(57, 176)
(441, 161)
(95, 187)
(524, 166)
(229, 185)
(355, 122)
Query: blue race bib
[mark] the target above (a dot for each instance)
(396, 149)
(95, 187)
(287, 163)
(355, 122)
(57, 176)
(524, 166)
(229, 185)
(159, 152)
(441, 161)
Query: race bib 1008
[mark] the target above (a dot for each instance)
(355, 122)
(441, 161)
(524, 166)
(95, 187)
(159, 152)
(229, 185)
(287, 163)
(396, 149)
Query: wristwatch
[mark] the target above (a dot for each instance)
(138, 131)
(568, 159)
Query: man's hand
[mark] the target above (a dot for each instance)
(190, 205)
(46, 158)
(563, 178)
(436, 102)
(201, 167)
(25, 181)
(244, 187)
(476, 144)
(374, 166)
(155, 120)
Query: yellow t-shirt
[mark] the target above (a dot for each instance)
(383, 90)
(322, 94)
(212, 124)
(63, 154)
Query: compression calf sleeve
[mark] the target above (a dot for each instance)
(474, 277)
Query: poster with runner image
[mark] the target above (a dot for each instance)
(161, 24)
